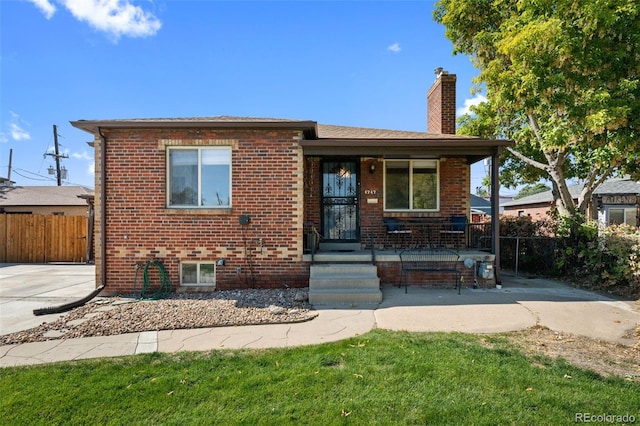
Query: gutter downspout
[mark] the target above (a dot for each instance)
(495, 211)
(103, 210)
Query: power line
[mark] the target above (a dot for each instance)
(44, 178)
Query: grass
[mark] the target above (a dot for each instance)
(381, 377)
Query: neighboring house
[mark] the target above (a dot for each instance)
(233, 202)
(56, 200)
(615, 201)
(480, 209)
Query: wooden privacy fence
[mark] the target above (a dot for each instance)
(32, 238)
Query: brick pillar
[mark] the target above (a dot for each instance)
(441, 104)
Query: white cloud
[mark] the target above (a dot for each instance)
(395, 48)
(468, 103)
(115, 17)
(16, 132)
(45, 6)
(84, 155)
(3, 138)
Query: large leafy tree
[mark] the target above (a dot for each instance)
(562, 81)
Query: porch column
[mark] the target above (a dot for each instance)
(495, 210)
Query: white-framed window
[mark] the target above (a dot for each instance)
(621, 215)
(198, 273)
(199, 177)
(411, 185)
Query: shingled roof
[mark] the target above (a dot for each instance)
(43, 196)
(329, 131)
(326, 139)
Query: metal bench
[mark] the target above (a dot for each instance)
(432, 260)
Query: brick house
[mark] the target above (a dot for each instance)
(615, 201)
(234, 202)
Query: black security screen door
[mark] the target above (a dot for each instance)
(340, 201)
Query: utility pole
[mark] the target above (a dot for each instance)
(9, 171)
(57, 155)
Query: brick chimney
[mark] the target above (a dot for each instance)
(441, 104)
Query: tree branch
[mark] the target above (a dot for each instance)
(528, 160)
(592, 183)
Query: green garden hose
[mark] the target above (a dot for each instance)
(165, 288)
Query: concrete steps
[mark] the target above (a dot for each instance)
(344, 284)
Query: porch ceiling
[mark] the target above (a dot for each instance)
(473, 149)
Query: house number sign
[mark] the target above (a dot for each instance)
(370, 191)
(619, 199)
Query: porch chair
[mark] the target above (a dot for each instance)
(396, 228)
(456, 231)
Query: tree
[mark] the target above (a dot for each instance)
(562, 81)
(531, 190)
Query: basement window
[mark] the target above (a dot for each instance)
(199, 177)
(198, 274)
(411, 185)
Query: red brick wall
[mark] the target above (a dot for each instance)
(372, 202)
(455, 198)
(266, 185)
(312, 182)
(455, 176)
(441, 105)
(536, 211)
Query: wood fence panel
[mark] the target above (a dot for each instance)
(3, 237)
(39, 238)
(66, 239)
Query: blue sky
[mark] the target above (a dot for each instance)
(354, 63)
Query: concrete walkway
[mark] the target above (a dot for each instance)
(520, 304)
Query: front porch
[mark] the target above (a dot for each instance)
(343, 269)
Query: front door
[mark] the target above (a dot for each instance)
(340, 212)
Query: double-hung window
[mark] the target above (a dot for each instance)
(199, 177)
(411, 185)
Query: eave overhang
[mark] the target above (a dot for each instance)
(309, 128)
(473, 149)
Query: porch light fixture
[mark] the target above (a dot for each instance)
(372, 168)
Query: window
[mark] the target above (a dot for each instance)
(411, 185)
(198, 273)
(199, 177)
(622, 215)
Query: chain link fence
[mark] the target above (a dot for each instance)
(530, 255)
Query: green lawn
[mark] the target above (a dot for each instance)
(381, 377)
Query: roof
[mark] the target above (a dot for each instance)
(611, 186)
(542, 197)
(479, 204)
(329, 131)
(325, 139)
(43, 196)
(221, 121)
(619, 186)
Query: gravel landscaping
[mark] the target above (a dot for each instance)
(118, 315)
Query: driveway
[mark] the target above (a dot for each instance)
(25, 287)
